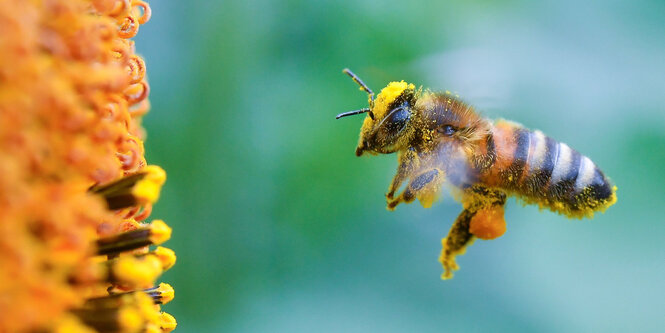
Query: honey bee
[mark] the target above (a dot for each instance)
(437, 136)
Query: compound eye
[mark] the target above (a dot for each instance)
(448, 130)
(397, 119)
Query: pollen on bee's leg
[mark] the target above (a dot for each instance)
(458, 239)
(406, 196)
(488, 223)
(428, 197)
(426, 186)
(154, 233)
(140, 188)
(447, 260)
(392, 204)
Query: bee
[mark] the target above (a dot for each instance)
(438, 137)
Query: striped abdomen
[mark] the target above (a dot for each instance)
(544, 171)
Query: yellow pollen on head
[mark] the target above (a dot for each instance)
(387, 96)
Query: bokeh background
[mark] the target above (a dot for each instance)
(278, 227)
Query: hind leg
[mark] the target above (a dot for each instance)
(482, 217)
(459, 237)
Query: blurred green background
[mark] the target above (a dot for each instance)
(278, 227)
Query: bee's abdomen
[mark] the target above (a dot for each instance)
(549, 173)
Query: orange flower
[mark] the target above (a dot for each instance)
(74, 184)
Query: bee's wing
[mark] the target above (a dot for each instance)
(452, 158)
(435, 162)
(487, 82)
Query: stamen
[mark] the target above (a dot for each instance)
(147, 307)
(126, 312)
(148, 188)
(130, 319)
(152, 234)
(165, 255)
(139, 188)
(160, 232)
(167, 322)
(162, 294)
(135, 271)
(125, 319)
(109, 302)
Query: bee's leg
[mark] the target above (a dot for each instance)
(482, 217)
(487, 204)
(459, 237)
(426, 186)
(407, 161)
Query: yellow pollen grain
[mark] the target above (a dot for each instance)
(167, 292)
(159, 232)
(167, 322)
(166, 257)
(140, 272)
(147, 189)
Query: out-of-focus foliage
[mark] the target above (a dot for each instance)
(279, 227)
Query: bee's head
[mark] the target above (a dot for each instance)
(386, 127)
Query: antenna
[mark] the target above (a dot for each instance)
(360, 82)
(364, 87)
(351, 113)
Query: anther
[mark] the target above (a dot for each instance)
(151, 234)
(140, 271)
(139, 188)
(161, 294)
(167, 323)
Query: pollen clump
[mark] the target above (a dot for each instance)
(388, 95)
(488, 223)
(74, 183)
(148, 188)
